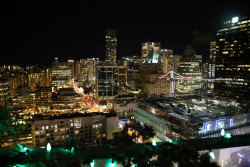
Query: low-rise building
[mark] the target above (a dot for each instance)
(57, 129)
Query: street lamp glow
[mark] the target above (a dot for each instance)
(48, 147)
(154, 143)
(212, 155)
(222, 132)
(92, 164)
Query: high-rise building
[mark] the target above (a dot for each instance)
(46, 77)
(4, 92)
(106, 82)
(169, 60)
(33, 80)
(190, 68)
(91, 68)
(232, 59)
(61, 72)
(111, 44)
(43, 98)
(148, 46)
(122, 76)
(132, 66)
(211, 60)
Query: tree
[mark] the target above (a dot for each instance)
(6, 124)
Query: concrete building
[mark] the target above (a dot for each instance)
(191, 118)
(190, 68)
(43, 98)
(170, 62)
(56, 130)
(124, 106)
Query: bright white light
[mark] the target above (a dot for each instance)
(222, 132)
(154, 143)
(92, 164)
(212, 155)
(48, 147)
(240, 155)
(235, 19)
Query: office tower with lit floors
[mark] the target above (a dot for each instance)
(232, 59)
(111, 46)
(190, 68)
(106, 84)
(61, 72)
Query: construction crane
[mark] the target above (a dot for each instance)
(175, 76)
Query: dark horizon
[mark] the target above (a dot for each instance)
(37, 33)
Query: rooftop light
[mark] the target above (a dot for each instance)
(235, 19)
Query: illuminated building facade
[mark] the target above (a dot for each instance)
(170, 62)
(57, 130)
(43, 97)
(148, 46)
(4, 92)
(190, 68)
(111, 46)
(81, 70)
(132, 66)
(91, 68)
(13, 86)
(33, 80)
(106, 82)
(211, 60)
(232, 58)
(122, 76)
(46, 77)
(25, 136)
(61, 72)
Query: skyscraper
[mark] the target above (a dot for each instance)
(232, 58)
(106, 83)
(211, 60)
(190, 68)
(111, 44)
(61, 72)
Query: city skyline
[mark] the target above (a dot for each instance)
(37, 33)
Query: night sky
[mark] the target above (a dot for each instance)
(36, 33)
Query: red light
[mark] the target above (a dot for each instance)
(239, 161)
